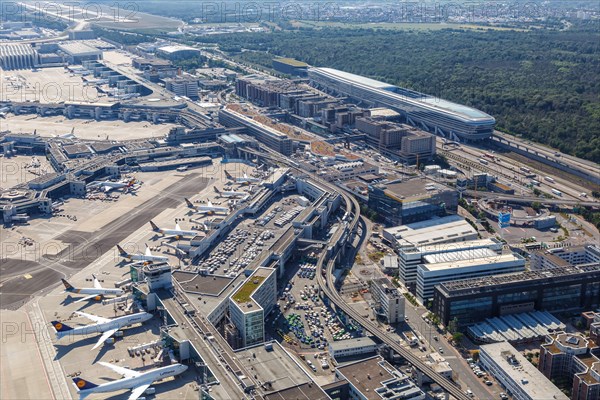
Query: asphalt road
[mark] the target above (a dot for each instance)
(85, 247)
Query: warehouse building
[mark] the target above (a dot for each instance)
(17, 56)
(555, 289)
(290, 66)
(515, 373)
(77, 52)
(352, 347)
(177, 52)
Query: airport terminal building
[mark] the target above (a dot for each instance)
(442, 117)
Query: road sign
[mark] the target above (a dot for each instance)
(503, 220)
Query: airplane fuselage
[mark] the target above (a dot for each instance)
(99, 292)
(130, 383)
(143, 257)
(178, 232)
(116, 323)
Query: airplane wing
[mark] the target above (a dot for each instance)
(138, 391)
(91, 296)
(106, 189)
(171, 237)
(104, 337)
(126, 372)
(94, 318)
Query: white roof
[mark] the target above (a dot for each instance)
(175, 48)
(490, 260)
(450, 228)
(523, 374)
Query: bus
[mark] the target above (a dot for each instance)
(490, 156)
(551, 180)
(484, 162)
(556, 192)
(535, 183)
(525, 170)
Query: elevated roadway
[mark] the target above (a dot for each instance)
(326, 281)
(530, 199)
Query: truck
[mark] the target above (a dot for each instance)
(556, 192)
(482, 161)
(547, 178)
(535, 183)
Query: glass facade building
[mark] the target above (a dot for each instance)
(555, 290)
(451, 120)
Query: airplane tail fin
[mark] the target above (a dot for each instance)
(155, 228)
(121, 251)
(68, 286)
(189, 203)
(131, 183)
(61, 329)
(228, 175)
(216, 190)
(82, 384)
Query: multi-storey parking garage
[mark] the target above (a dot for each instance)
(451, 120)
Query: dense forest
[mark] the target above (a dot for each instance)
(543, 85)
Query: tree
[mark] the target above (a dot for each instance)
(453, 325)
(457, 337)
(536, 205)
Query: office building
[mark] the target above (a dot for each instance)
(515, 373)
(430, 113)
(352, 347)
(372, 379)
(463, 264)
(290, 66)
(388, 301)
(572, 288)
(412, 241)
(17, 56)
(573, 361)
(232, 115)
(564, 256)
(411, 257)
(251, 303)
(413, 200)
(187, 86)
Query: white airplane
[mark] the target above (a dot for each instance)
(96, 293)
(138, 382)
(147, 256)
(107, 186)
(208, 208)
(176, 233)
(228, 194)
(245, 180)
(106, 326)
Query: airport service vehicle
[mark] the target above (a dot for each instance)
(147, 256)
(138, 382)
(207, 209)
(106, 326)
(176, 233)
(96, 293)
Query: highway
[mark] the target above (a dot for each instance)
(326, 281)
(529, 200)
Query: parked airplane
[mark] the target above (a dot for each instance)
(147, 256)
(243, 180)
(107, 186)
(96, 293)
(183, 168)
(138, 382)
(176, 233)
(106, 326)
(229, 194)
(208, 208)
